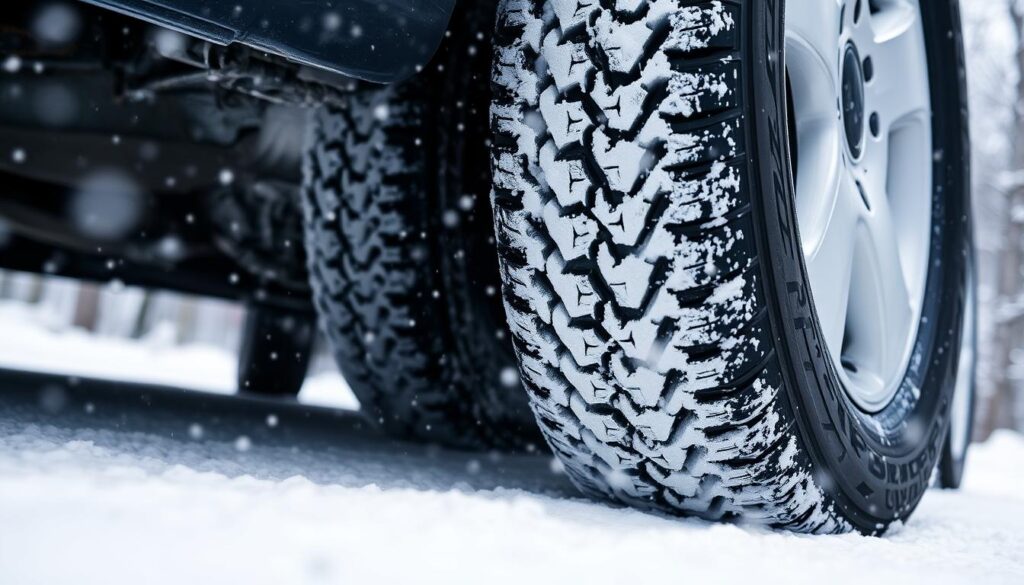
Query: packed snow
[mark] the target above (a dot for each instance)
(93, 493)
(97, 506)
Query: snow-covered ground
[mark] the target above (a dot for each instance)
(177, 499)
(94, 506)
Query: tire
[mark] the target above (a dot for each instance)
(402, 255)
(654, 278)
(962, 410)
(277, 345)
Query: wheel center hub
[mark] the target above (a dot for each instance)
(853, 100)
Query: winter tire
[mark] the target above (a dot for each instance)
(961, 418)
(403, 261)
(276, 348)
(713, 308)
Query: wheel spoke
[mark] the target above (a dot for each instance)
(899, 86)
(818, 184)
(815, 24)
(883, 291)
(830, 263)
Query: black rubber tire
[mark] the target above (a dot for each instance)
(954, 453)
(667, 337)
(277, 345)
(402, 256)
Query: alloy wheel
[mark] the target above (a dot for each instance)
(861, 102)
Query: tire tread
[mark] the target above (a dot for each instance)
(631, 276)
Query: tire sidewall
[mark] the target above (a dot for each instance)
(872, 480)
(954, 459)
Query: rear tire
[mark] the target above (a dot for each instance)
(402, 255)
(654, 277)
(277, 345)
(962, 410)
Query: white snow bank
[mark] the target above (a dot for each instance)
(154, 510)
(27, 342)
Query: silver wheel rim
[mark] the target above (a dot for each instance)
(864, 186)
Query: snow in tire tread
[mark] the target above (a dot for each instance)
(630, 272)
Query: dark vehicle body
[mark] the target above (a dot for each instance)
(372, 40)
(229, 94)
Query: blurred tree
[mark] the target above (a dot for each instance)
(1000, 207)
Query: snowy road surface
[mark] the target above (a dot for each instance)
(101, 483)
